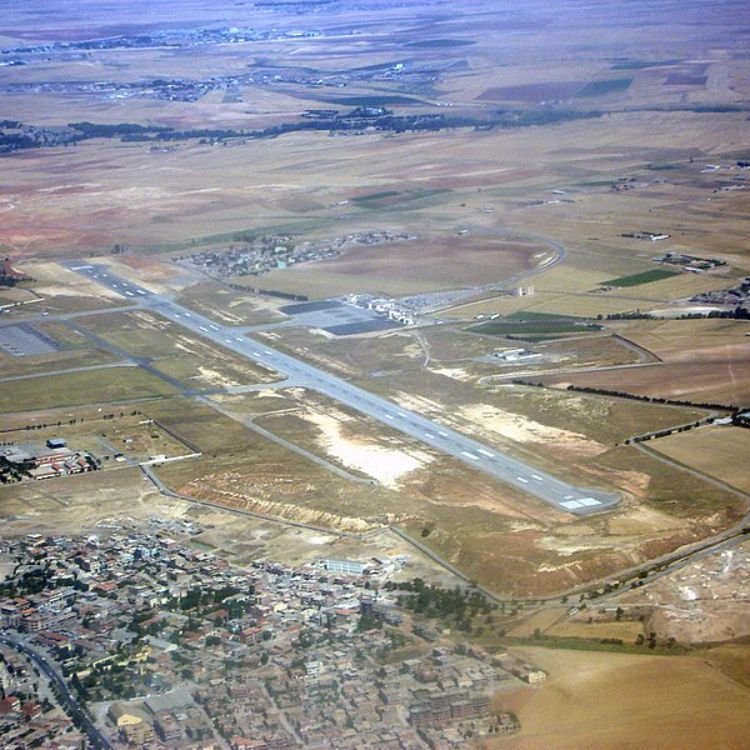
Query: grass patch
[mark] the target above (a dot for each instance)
(610, 86)
(54, 361)
(382, 100)
(535, 327)
(111, 385)
(364, 200)
(645, 277)
(531, 315)
(663, 167)
(393, 198)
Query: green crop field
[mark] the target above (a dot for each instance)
(534, 327)
(610, 86)
(636, 279)
(375, 197)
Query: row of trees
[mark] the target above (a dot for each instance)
(635, 396)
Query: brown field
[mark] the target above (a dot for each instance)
(625, 630)
(595, 701)
(676, 340)
(421, 265)
(700, 382)
(533, 92)
(702, 361)
(720, 452)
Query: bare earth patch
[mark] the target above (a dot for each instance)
(521, 429)
(388, 465)
(593, 701)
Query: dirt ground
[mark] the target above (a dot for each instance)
(595, 701)
(92, 503)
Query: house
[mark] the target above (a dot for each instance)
(9, 704)
(131, 723)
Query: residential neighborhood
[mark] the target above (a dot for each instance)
(167, 645)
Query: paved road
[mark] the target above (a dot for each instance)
(523, 476)
(67, 700)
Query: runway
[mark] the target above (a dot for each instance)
(485, 458)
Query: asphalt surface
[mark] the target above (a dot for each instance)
(523, 476)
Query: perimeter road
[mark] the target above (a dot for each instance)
(522, 476)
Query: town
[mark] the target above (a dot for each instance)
(259, 255)
(165, 644)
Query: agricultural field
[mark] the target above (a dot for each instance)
(700, 361)
(593, 700)
(428, 263)
(720, 452)
(636, 279)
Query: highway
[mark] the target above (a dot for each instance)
(485, 458)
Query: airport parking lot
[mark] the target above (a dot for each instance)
(338, 318)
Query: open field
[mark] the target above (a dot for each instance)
(681, 340)
(228, 306)
(720, 452)
(723, 382)
(173, 351)
(11, 367)
(626, 630)
(243, 469)
(702, 361)
(425, 264)
(114, 385)
(594, 700)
